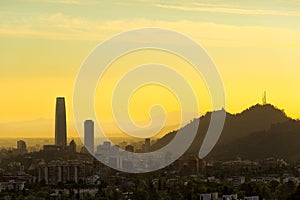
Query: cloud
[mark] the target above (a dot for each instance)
(51, 26)
(64, 27)
(200, 7)
(67, 2)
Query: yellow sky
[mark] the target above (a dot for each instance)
(255, 47)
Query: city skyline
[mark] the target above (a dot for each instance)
(135, 99)
(50, 127)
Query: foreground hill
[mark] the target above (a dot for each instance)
(282, 140)
(253, 133)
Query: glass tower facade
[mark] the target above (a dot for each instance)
(60, 123)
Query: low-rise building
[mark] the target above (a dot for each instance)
(64, 171)
(230, 197)
(252, 198)
(212, 196)
(12, 185)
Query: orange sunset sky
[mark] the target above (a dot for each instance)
(254, 44)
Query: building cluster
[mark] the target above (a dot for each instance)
(15, 178)
(119, 158)
(91, 172)
(55, 172)
(113, 155)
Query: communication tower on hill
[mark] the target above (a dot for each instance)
(264, 98)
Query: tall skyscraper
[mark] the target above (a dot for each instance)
(60, 123)
(89, 135)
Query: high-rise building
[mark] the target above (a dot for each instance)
(147, 145)
(129, 148)
(21, 146)
(106, 145)
(60, 123)
(72, 146)
(89, 135)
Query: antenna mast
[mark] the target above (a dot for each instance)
(264, 98)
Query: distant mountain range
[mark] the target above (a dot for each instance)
(259, 132)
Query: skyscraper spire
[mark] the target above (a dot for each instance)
(60, 123)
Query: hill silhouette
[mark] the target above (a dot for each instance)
(251, 134)
(282, 140)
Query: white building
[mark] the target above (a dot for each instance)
(213, 196)
(12, 185)
(252, 198)
(230, 197)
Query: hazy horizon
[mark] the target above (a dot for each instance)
(111, 135)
